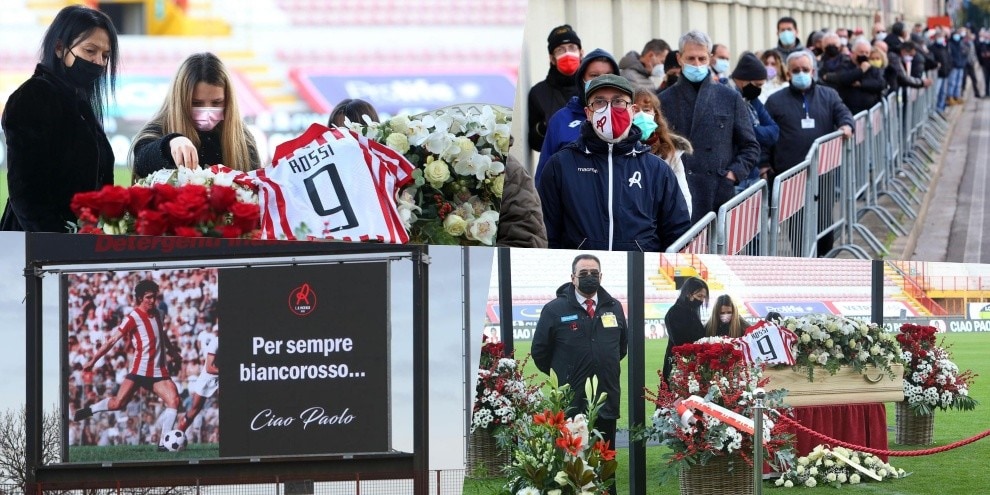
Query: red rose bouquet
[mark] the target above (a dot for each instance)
(931, 379)
(713, 368)
(215, 202)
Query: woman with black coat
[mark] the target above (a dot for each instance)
(56, 146)
(683, 319)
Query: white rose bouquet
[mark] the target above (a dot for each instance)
(830, 342)
(835, 467)
(459, 154)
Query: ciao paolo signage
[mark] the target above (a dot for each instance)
(306, 351)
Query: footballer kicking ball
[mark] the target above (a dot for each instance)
(174, 440)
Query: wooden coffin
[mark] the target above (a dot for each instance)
(845, 387)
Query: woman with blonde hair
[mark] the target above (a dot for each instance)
(198, 125)
(662, 142)
(725, 320)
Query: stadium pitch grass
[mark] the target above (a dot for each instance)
(125, 453)
(958, 471)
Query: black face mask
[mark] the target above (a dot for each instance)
(831, 50)
(83, 73)
(862, 58)
(817, 51)
(589, 285)
(751, 92)
(694, 304)
(671, 80)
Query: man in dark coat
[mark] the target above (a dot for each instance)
(716, 120)
(788, 39)
(552, 93)
(939, 51)
(606, 190)
(749, 77)
(806, 111)
(580, 334)
(860, 85)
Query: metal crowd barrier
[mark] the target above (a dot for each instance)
(698, 239)
(830, 193)
(788, 207)
(741, 226)
(891, 154)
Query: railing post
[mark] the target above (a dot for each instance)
(758, 395)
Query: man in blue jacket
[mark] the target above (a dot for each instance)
(749, 77)
(565, 125)
(606, 190)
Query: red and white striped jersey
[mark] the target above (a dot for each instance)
(768, 343)
(338, 184)
(144, 332)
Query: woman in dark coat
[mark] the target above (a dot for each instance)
(56, 146)
(683, 319)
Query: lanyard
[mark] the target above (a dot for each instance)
(807, 114)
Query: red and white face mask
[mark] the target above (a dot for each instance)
(611, 124)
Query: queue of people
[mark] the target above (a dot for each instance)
(733, 123)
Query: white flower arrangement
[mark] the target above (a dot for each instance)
(835, 467)
(216, 175)
(459, 155)
(830, 342)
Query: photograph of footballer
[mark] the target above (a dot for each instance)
(141, 350)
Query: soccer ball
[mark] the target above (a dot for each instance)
(174, 440)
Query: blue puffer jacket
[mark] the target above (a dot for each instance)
(565, 124)
(617, 197)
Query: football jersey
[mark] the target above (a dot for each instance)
(340, 186)
(144, 332)
(768, 343)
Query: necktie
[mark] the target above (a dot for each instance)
(590, 304)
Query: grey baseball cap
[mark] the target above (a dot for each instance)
(608, 81)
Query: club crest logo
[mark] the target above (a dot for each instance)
(302, 300)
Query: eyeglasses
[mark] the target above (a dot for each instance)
(600, 103)
(586, 273)
(798, 70)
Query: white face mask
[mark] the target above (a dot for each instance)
(206, 118)
(657, 71)
(724, 318)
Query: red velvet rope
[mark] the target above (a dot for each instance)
(891, 453)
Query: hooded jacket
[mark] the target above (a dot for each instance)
(576, 346)
(617, 197)
(631, 68)
(565, 125)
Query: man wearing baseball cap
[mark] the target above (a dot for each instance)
(605, 190)
(552, 93)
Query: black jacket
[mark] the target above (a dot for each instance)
(857, 97)
(152, 154)
(683, 327)
(941, 55)
(56, 148)
(577, 347)
(545, 98)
